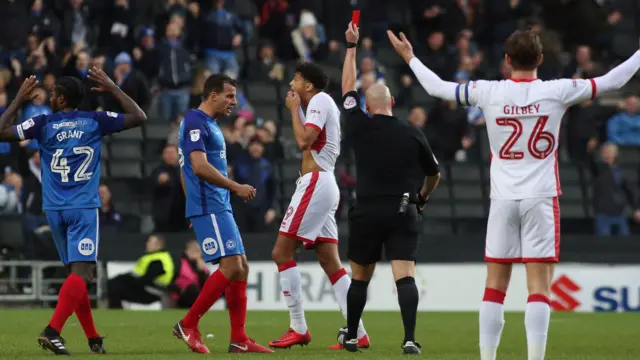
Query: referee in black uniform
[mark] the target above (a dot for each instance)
(396, 173)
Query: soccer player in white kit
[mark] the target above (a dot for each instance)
(523, 116)
(310, 217)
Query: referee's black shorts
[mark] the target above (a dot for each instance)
(377, 224)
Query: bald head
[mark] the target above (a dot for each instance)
(378, 97)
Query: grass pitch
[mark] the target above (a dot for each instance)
(443, 336)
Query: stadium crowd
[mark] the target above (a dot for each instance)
(160, 53)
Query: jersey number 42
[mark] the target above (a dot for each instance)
(537, 134)
(59, 164)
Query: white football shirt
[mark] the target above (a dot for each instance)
(523, 120)
(324, 115)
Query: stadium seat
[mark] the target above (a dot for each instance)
(126, 169)
(149, 166)
(467, 192)
(104, 152)
(470, 210)
(269, 112)
(157, 131)
(259, 92)
(465, 172)
(131, 134)
(126, 150)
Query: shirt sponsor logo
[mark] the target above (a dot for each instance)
(195, 135)
(112, 114)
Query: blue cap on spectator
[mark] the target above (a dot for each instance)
(123, 58)
(146, 32)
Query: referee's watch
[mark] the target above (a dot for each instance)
(351, 45)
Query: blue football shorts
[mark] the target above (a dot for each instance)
(76, 233)
(218, 236)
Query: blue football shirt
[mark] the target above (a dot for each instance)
(70, 146)
(199, 132)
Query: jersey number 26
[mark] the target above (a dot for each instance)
(59, 164)
(532, 144)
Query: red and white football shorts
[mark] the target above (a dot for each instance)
(311, 213)
(526, 230)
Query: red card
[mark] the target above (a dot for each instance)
(355, 17)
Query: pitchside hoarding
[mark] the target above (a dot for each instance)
(450, 287)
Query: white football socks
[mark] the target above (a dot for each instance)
(491, 323)
(536, 323)
(290, 282)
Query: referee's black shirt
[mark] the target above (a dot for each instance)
(390, 154)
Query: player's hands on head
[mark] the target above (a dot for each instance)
(293, 100)
(26, 89)
(102, 80)
(246, 192)
(402, 45)
(352, 34)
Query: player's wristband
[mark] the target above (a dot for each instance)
(351, 45)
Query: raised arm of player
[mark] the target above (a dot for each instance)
(431, 82)
(7, 133)
(134, 116)
(349, 66)
(618, 76)
(305, 135)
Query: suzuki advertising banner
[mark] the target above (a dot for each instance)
(448, 287)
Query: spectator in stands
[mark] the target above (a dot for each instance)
(582, 66)
(276, 23)
(365, 82)
(624, 128)
(551, 67)
(612, 194)
(77, 25)
(254, 169)
(131, 82)
(175, 75)
(267, 133)
(117, 26)
(368, 66)
(582, 130)
(309, 39)
(191, 274)
(147, 56)
(418, 117)
(14, 27)
(42, 21)
(449, 131)
(268, 66)
(197, 86)
(10, 190)
(220, 32)
(149, 280)
(78, 63)
(233, 142)
(168, 196)
(108, 214)
(37, 106)
(34, 222)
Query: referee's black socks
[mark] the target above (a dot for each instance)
(356, 299)
(408, 299)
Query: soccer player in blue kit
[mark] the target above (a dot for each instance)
(203, 162)
(70, 144)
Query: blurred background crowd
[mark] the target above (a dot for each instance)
(161, 51)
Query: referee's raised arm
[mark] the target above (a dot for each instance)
(349, 66)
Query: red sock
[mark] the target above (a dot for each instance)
(70, 295)
(83, 312)
(236, 294)
(211, 291)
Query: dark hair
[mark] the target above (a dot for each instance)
(215, 83)
(524, 48)
(314, 74)
(72, 89)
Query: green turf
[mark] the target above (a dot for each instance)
(147, 335)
